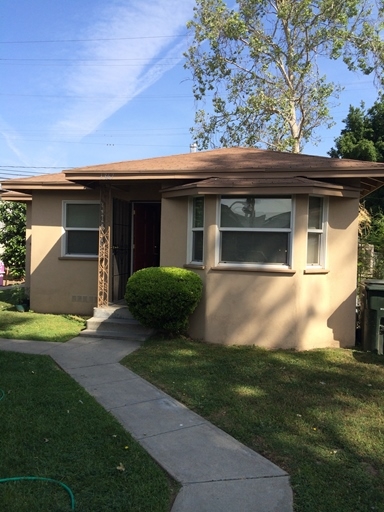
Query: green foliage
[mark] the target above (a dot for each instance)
(376, 232)
(371, 249)
(258, 63)
(12, 236)
(163, 297)
(20, 295)
(362, 138)
(363, 135)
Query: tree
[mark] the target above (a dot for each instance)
(259, 62)
(363, 135)
(362, 138)
(12, 236)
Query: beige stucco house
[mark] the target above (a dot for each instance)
(273, 236)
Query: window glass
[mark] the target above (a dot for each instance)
(82, 242)
(255, 230)
(313, 250)
(81, 228)
(83, 215)
(197, 245)
(315, 212)
(316, 234)
(254, 247)
(198, 212)
(256, 212)
(197, 232)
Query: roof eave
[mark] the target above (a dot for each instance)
(224, 173)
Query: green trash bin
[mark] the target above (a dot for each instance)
(373, 316)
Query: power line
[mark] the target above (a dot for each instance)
(70, 96)
(89, 60)
(36, 167)
(58, 64)
(90, 40)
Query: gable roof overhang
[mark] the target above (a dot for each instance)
(261, 186)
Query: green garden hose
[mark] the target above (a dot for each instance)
(41, 478)
(18, 478)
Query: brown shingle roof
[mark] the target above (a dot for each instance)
(43, 181)
(222, 163)
(223, 160)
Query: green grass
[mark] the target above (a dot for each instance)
(317, 414)
(50, 427)
(35, 326)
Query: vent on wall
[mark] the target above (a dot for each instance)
(90, 299)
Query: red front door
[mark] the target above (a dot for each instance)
(146, 235)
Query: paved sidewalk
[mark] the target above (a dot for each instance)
(217, 473)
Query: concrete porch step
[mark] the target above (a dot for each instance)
(115, 321)
(115, 335)
(113, 311)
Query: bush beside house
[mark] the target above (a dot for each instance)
(163, 298)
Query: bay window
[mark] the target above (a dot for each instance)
(255, 230)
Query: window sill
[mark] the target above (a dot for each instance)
(195, 266)
(315, 270)
(265, 270)
(77, 257)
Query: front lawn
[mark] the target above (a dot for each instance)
(35, 326)
(318, 414)
(52, 428)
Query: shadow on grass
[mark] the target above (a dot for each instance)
(369, 358)
(317, 414)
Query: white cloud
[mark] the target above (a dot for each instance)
(10, 136)
(110, 87)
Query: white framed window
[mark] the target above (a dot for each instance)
(81, 228)
(316, 239)
(196, 241)
(255, 230)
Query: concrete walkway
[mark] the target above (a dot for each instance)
(217, 473)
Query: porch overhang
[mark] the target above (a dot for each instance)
(261, 186)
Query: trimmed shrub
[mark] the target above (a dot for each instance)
(163, 297)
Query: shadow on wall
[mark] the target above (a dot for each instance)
(337, 320)
(277, 310)
(255, 308)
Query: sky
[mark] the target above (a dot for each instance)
(87, 82)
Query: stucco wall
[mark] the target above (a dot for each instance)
(58, 285)
(297, 309)
(67, 285)
(28, 233)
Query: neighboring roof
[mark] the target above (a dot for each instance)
(56, 181)
(14, 196)
(260, 186)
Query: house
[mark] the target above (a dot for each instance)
(273, 236)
